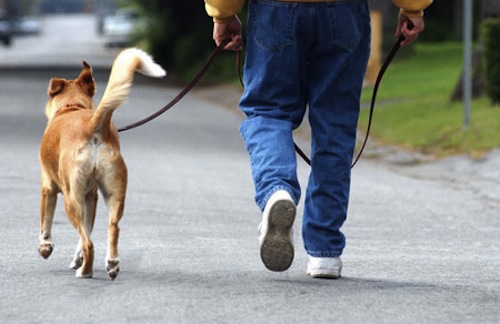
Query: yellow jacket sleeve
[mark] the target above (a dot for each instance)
(412, 8)
(222, 10)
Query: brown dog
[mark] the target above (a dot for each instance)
(80, 153)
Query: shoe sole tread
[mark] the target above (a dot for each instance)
(277, 250)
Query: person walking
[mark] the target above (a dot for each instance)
(303, 54)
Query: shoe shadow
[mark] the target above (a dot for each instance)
(358, 284)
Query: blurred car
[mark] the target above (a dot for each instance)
(5, 29)
(27, 25)
(101, 15)
(118, 28)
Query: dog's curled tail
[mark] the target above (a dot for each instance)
(120, 81)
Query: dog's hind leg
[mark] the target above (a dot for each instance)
(47, 207)
(90, 212)
(115, 202)
(75, 211)
(115, 214)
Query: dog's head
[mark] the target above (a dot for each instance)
(71, 93)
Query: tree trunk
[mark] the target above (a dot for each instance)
(478, 78)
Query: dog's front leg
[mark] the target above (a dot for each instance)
(77, 261)
(47, 207)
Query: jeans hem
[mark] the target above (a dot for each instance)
(330, 254)
(263, 203)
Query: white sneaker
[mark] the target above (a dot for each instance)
(276, 244)
(329, 268)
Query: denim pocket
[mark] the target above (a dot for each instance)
(348, 22)
(270, 23)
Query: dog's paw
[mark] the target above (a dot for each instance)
(113, 268)
(45, 249)
(79, 274)
(76, 263)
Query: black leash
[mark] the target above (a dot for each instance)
(394, 50)
(220, 48)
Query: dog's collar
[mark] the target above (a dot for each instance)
(71, 106)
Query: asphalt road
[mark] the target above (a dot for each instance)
(423, 240)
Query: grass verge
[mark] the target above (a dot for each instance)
(414, 109)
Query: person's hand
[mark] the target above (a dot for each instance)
(410, 34)
(228, 30)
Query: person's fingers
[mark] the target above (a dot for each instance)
(228, 32)
(235, 44)
(410, 28)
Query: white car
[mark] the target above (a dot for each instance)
(27, 25)
(118, 28)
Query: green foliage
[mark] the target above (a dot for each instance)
(178, 33)
(490, 32)
(179, 36)
(436, 31)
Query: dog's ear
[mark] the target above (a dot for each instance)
(56, 86)
(86, 79)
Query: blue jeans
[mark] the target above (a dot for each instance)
(302, 55)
